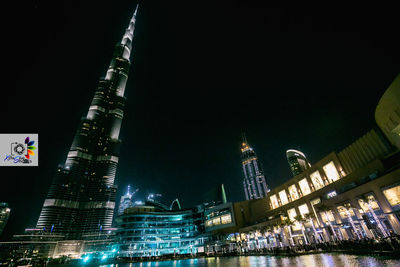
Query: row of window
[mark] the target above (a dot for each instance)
(224, 219)
(392, 194)
(318, 182)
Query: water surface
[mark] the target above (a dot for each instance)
(323, 259)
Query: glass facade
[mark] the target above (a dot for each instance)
(218, 217)
(305, 188)
(274, 201)
(317, 180)
(393, 195)
(327, 216)
(331, 172)
(293, 192)
(303, 209)
(283, 197)
(154, 232)
(291, 214)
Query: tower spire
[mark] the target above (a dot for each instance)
(128, 36)
(244, 139)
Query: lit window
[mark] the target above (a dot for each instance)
(291, 214)
(331, 172)
(372, 202)
(343, 212)
(317, 180)
(393, 195)
(293, 192)
(329, 214)
(216, 221)
(283, 197)
(305, 188)
(274, 201)
(303, 209)
(225, 219)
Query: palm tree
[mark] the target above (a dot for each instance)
(324, 209)
(368, 200)
(309, 217)
(301, 220)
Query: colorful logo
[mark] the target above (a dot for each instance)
(21, 152)
(30, 147)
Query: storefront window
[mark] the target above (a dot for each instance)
(303, 209)
(331, 172)
(216, 221)
(293, 192)
(371, 201)
(305, 188)
(329, 214)
(225, 219)
(343, 212)
(274, 201)
(393, 195)
(316, 180)
(291, 214)
(283, 197)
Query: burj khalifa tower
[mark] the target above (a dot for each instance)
(81, 199)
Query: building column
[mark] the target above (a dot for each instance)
(387, 209)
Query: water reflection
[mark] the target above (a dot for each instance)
(340, 260)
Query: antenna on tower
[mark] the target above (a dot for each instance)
(244, 139)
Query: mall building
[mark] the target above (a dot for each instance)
(352, 194)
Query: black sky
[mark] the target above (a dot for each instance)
(202, 73)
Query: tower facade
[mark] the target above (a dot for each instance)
(82, 196)
(297, 161)
(126, 200)
(254, 183)
(4, 215)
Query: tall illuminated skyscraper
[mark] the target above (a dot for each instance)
(254, 183)
(297, 161)
(82, 197)
(126, 200)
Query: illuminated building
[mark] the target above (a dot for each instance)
(352, 194)
(82, 196)
(126, 201)
(254, 183)
(4, 214)
(152, 230)
(387, 113)
(297, 161)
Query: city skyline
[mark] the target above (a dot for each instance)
(148, 142)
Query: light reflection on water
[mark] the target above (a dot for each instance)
(341, 260)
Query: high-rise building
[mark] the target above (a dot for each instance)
(82, 196)
(4, 214)
(254, 183)
(297, 161)
(126, 200)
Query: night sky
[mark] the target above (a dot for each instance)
(201, 74)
